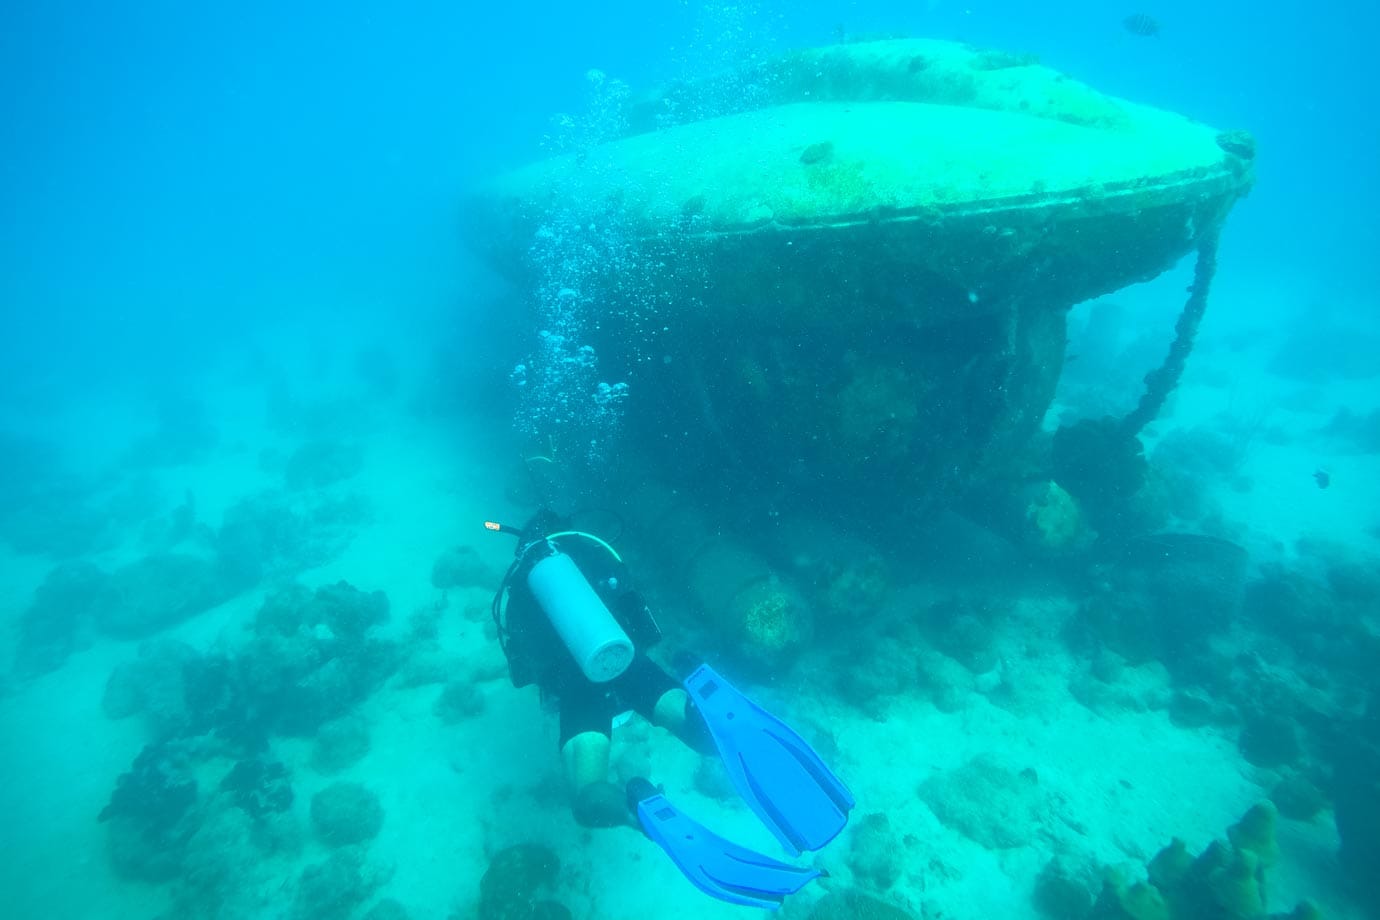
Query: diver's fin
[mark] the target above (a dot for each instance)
(780, 777)
(716, 866)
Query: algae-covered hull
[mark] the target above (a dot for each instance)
(871, 249)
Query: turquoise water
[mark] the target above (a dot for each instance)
(261, 384)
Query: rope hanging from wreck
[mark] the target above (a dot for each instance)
(1161, 381)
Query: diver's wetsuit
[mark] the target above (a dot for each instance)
(589, 707)
(536, 654)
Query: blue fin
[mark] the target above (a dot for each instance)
(780, 777)
(716, 866)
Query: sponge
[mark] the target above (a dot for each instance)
(1238, 886)
(1256, 832)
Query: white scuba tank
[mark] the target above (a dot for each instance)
(599, 645)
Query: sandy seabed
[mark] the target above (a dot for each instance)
(1124, 778)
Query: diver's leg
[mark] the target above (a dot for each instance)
(586, 730)
(658, 698)
(670, 710)
(586, 759)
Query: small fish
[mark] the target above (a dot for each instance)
(1142, 25)
(1322, 477)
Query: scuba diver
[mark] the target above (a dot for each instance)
(588, 653)
(570, 621)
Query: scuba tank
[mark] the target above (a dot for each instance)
(566, 599)
(592, 636)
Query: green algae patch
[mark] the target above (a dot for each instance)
(888, 161)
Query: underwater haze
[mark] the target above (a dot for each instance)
(989, 390)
